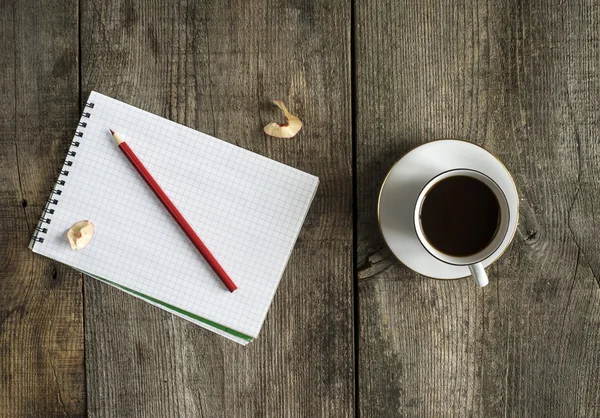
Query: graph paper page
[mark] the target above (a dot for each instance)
(246, 208)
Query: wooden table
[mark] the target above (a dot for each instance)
(351, 330)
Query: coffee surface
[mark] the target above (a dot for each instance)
(460, 216)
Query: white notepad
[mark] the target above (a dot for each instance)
(246, 208)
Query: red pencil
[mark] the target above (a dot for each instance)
(134, 160)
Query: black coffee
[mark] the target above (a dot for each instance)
(460, 216)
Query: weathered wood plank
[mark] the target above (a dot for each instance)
(215, 66)
(523, 80)
(41, 317)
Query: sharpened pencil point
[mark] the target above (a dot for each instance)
(116, 137)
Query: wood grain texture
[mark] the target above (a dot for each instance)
(215, 66)
(521, 79)
(41, 318)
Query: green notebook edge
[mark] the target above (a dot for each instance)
(174, 308)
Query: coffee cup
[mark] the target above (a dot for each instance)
(461, 218)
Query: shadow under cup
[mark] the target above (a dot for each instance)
(461, 217)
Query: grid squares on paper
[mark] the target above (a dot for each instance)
(246, 208)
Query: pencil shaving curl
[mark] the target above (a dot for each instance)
(290, 129)
(80, 234)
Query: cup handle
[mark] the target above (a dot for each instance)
(479, 275)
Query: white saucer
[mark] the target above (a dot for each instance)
(405, 181)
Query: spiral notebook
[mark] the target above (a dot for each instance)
(246, 208)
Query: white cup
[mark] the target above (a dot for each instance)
(473, 261)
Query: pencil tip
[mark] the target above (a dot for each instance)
(116, 137)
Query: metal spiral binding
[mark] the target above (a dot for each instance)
(40, 229)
